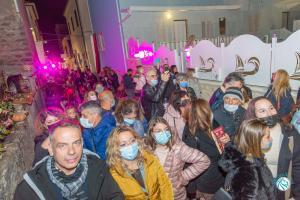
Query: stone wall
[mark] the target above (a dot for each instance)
(17, 47)
(19, 152)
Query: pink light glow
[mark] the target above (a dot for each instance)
(53, 65)
(146, 53)
(45, 67)
(143, 54)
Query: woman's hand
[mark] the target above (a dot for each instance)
(225, 139)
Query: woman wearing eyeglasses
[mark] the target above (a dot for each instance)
(136, 170)
(173, 154)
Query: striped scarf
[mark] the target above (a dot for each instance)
(69, 185)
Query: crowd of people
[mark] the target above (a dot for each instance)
(153, 136)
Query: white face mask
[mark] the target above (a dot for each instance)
(93, 98)
(231, 108)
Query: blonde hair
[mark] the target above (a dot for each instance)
(114, 159)
(281, 84)
(190, 72)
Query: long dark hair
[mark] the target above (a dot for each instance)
(200, 116)
(175, 99)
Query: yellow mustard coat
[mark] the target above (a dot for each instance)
(157, 183)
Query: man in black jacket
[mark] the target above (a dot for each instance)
(153, 94)
(230, 114)
(69, 172)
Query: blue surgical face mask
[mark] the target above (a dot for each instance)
(162, 137)
(154, 82)
(99, 89)
(130, 152)
(266, 145)
(93, 98)
(231, 108)
(129, 121)
(184, 84)
(85, 123)
(113, 102)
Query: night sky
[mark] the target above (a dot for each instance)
(50, 13)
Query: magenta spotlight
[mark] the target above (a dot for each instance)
(45, 67)
(53, 65)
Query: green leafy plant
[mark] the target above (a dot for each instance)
(6, 125)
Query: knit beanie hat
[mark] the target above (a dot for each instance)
(234, 92)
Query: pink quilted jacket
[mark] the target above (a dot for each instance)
(175, 120)
(179, 177)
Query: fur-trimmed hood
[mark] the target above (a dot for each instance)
(232, 158)
(246, 178)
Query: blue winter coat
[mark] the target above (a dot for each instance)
(284, 107)
(94, 139)
(216, 99)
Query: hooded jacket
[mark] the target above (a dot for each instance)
(100, 184)
(157, 183)
(95, 138)
(246, 178)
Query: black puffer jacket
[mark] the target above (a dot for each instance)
(152, 100)
(246, 179)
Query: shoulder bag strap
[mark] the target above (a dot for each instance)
(291, 147)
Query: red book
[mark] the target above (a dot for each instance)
(217, 134)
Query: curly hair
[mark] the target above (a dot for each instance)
(113, 145)
(126, 107)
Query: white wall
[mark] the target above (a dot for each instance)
(154, 26)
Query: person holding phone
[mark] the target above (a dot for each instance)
(183, 84)
(153, 94)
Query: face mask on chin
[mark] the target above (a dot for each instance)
(271, 121)
(265, 146)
